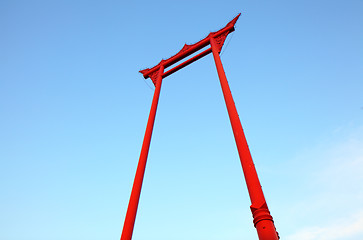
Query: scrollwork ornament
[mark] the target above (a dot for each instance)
(220, 40)
(154, 76)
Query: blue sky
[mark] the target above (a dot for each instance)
(73, 111)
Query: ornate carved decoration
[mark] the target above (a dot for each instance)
(152, 75)
(220, 40)
(220, 36)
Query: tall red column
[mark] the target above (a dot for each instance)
(139, 176)
(261, 215)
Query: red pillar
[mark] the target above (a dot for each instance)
(261, 215)
(139, 176)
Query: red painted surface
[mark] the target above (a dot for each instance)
(262, 218)
(188, 50)
(261, 215)
(140, 171)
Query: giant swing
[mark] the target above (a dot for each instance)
(262, 218)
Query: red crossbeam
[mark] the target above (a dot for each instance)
(188, 50)
(187, 62)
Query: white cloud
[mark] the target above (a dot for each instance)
(330, 205)
(346, 228)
